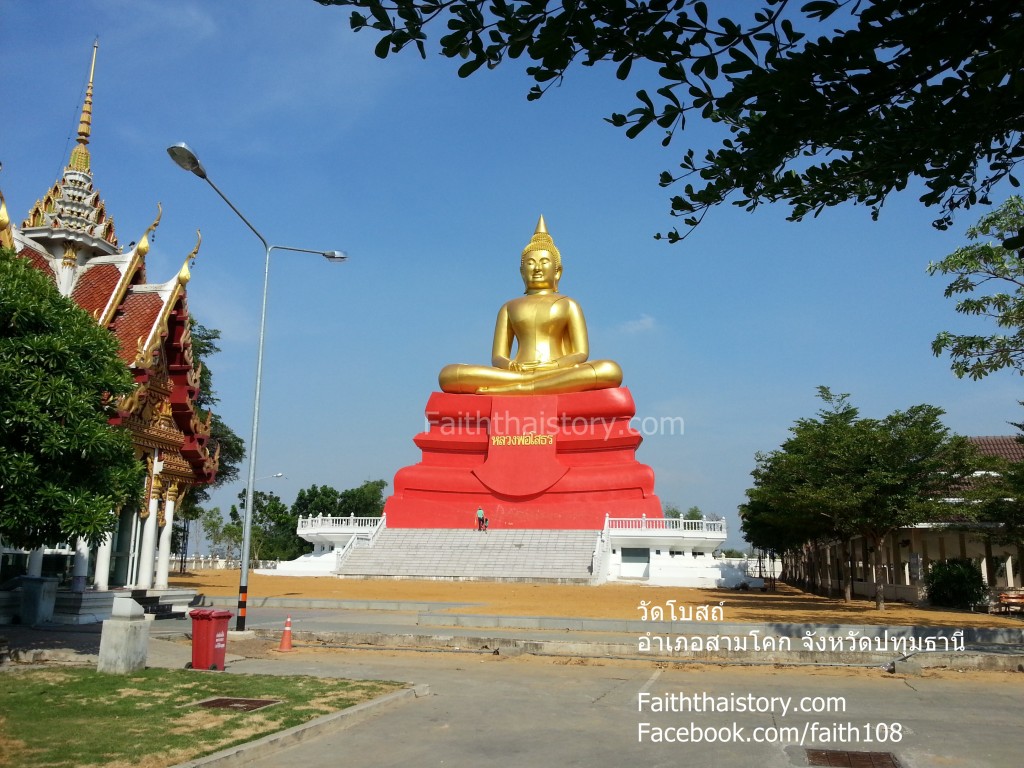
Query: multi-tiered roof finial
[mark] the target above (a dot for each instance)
(80, 154)
(72, 204)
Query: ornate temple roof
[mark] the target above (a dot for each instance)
(72, 205)
(69, 237)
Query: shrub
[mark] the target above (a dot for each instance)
(955, 584)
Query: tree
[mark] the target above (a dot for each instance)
(823, 102)
(317, 500)
(987, 264)
(693, 513)
(366, 500)
(997, 493)
(220, 533)
(866, 477)
(274, 528)
(64, 470)
(671, 512)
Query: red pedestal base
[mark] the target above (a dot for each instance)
(543, 461)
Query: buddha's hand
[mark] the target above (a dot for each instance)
(539, 365)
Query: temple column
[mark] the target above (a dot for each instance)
(124, 546)
(101, 579)
(80, 569)
(134, 537)
(163, 558)
(35, 562)
(147, 552)
(897, 561)
(988, 564)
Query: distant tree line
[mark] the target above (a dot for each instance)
(840, 475)
(274, 523)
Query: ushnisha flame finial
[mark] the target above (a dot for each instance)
(541, 241)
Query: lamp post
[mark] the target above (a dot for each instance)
(186, 159)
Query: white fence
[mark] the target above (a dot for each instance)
(209, 563)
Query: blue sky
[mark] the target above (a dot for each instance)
(433, 185)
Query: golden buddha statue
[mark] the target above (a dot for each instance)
(550, 336)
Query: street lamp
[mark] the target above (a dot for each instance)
(186, 159)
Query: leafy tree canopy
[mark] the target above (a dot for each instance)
(823, 102)
(366, 500)
(998, 494)
(841, 474)
(64, 470)
(274, 526)
(990, 281)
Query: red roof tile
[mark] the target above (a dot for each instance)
(135, 318)
(1003, 446)
(37, 260)
(93, 290)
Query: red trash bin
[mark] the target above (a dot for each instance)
(209, 638)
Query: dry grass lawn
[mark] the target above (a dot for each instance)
(609, 601)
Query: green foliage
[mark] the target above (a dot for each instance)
(366, 500)
(64, 471)
(693, 513)
(987, 266)
(841, 475)
(671, 512)
(955, 584)
(998, 496)
(852, 475)
(274, 527)
(221, 534)
(823, 102)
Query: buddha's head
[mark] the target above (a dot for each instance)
(541, 263)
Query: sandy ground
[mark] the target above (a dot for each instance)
(609, 601)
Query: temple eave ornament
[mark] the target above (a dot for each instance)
(549, 334)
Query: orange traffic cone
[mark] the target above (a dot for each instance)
(286, 637)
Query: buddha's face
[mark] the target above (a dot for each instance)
(540, 271)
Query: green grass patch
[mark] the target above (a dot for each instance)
(151, 718)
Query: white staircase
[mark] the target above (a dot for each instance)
(497, 555)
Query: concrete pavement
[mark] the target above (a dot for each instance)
(510, 710)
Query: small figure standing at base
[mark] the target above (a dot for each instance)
(487, 524)
(479, 518)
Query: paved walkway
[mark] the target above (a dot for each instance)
(507, 711)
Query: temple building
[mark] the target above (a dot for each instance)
(70, 237)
